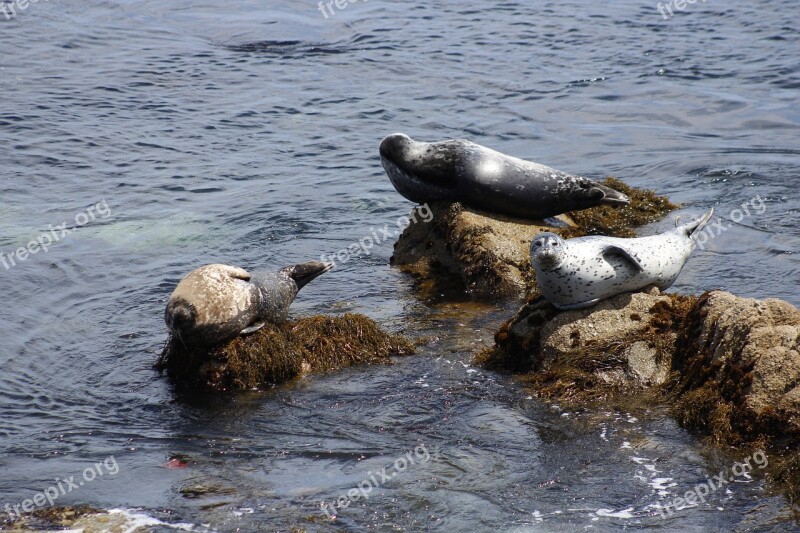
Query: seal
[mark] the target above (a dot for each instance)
(479, 177)
(215, 303)
(580, 272)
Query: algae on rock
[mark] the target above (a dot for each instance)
(47, 518)
(489, 253)
(279, 352)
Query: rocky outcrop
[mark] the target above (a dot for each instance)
(278, 353)
(728, 366)
(623, 343)
(489, 253)
(739, 365)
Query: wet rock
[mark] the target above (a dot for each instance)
(199, 490)
(89, 520)
(46, 518)
(623, 343)
(489, 253)
(728, 366)
(278, 353)
(739, 362)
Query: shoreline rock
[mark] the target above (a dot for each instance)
(280, 352)
(728, 366)
(739, 365)
(622, 344)
(489, 253)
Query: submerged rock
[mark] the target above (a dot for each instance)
(489, 253)
(729, 366)
(278, 353)
(88, 520)
(46, 518)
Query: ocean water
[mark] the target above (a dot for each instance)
(148, 138)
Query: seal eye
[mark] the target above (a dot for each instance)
(555, 243)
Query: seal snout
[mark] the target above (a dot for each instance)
(546, 258)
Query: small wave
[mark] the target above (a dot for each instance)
(288, 48)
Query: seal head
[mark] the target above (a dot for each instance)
(180, 315)
(420, 171)
(547, 250)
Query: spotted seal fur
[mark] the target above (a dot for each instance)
(578, 273)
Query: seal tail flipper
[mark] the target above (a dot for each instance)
(236, 272)
(303, 273)
(610, 196)
(691, 229)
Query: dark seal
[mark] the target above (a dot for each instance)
(482, 178)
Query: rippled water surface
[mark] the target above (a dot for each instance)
(246, 132)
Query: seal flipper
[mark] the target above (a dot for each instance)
(691, 229)
(607, 195)
(235, 272)
(252, 329)
(303, 273)
(622, 252)
(582, 305)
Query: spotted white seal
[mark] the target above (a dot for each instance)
(215, 303)
(577, 273)
(462, 171)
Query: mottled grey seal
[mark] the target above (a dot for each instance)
(215, 303)
(580, 272)
(459, 170)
